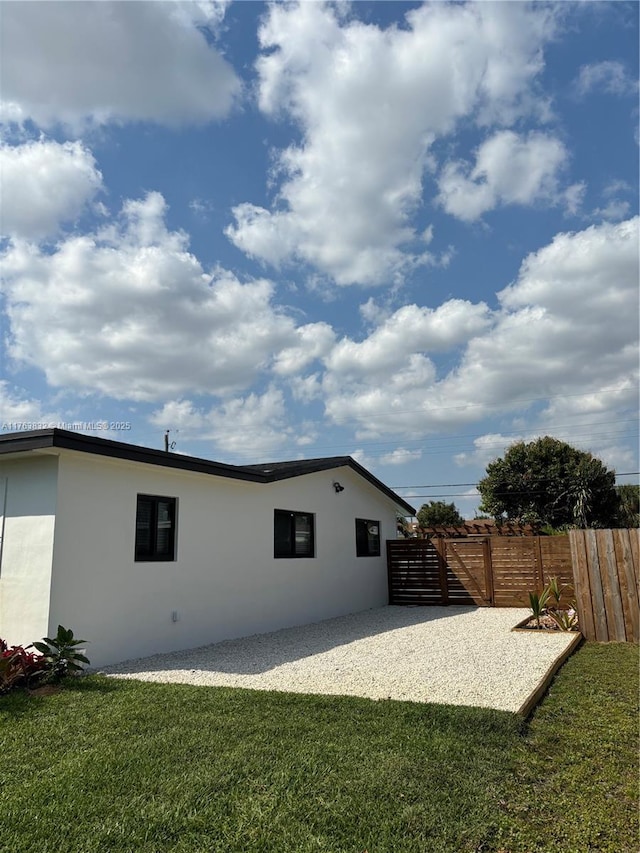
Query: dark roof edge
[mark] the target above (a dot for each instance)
(66, 440)
(284, 470)
(380, 485)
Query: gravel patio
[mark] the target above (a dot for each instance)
(455, 655)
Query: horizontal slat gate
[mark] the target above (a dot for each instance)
(415, 572)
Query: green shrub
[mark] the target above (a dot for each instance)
(61, 655)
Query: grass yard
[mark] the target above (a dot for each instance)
(125, 766)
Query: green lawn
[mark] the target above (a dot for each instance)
(122, 766)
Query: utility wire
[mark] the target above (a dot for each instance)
(454, 485)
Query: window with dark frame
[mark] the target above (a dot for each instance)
(155, 528)
(293, 534)
(367, 538)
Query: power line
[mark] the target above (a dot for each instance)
(454, 485)
(549, 429)
(426, 444)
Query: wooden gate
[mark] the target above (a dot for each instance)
(488, 571)
(426, 571)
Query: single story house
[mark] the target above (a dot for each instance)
(143, 551)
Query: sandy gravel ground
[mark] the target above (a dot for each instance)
(456, 655)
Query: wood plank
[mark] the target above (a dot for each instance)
(488, 571)
(440, 549)
(539, 566)
(610, 585)
(505, 600)
(595, 582)
(634, 541)
(581, 583)
(530, 703)
(629, 592)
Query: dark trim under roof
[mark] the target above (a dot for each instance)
(21, 442)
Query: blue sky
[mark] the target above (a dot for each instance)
(405, 232)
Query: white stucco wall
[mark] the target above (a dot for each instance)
(27, 548)
(225, 581)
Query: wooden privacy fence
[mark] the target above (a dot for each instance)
(501, 571)
(606, 573)
(497, 571)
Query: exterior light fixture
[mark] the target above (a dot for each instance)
(338, 487)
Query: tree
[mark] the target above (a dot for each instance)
(550, 482)
(438, 512)
(629, 509)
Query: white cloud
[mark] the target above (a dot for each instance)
(567, 327)
(363, 458)
(410, 330)
(77, 63)
(400, 456)
(372, 312)
(370, 103)
(609, 76)
(383, 381)
(201, 208)
(313, 341)
(615, 187)
(305, 389)
(44, 184)
(555, 329)
(509, 169)
(615, 206)
(486, 448)
(573, 197)
(591, 270)
(129, 312)
(19, 413)
(614, 210)
(252, 427)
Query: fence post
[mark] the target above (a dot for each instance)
(389, 583)
(628, 584)
(611, 585)
(581, 585)
(539, 567)
(488, 570)
(440, 546)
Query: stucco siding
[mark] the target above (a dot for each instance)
(27, 548)
(225, 581)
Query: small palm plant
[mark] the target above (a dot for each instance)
(60, 653)
(557, 591)
(538, 603)
(548, 603)
(566, 620)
